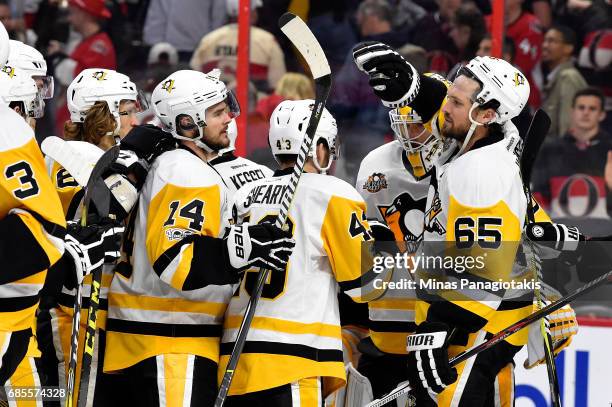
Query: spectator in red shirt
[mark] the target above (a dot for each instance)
(524, 29)
(95, 50)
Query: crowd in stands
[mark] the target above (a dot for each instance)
(564, 47)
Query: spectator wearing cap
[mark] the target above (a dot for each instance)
(573, 173)
(182, 23)
(563, 79)
(95, 50)
(219, 49)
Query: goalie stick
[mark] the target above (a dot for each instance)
(93, 183)
(304, 40)
(533, 141)
(503, 334)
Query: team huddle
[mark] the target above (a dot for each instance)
(172, 241)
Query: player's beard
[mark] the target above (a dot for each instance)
(218, 143)
(453, 132)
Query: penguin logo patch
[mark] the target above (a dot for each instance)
(405, 219)
(10, 71)
(100, 75)
(168, 85)
(375, 182)
(519, 79)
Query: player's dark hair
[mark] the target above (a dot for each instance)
(590, 91)
(286, 159)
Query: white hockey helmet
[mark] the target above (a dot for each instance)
(288, 125)
(232, 134)
(188, 94)
(232, 6)
(4, 46)
(102, 85)
(17, 86)
(503, 88)
(29, 60)
(500, 82)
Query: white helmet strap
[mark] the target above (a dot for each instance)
(470, 132)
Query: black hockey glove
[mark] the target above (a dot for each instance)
(139, 148)
(428, 366)
(555, 240)
(91, 246)
(263, 245)
(392, 78)
(384, 239)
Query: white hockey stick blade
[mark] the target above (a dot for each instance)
(306, 43)
(77, 157)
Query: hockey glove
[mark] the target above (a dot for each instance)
(428, 367)
(91, 246)
(555, 239)
(563, 327)
(263, 245)
(391, 77)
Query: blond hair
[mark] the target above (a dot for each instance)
(295, 86)
(97, 128)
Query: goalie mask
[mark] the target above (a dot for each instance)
(29, 60)
(102, 85)
(288, 125)
(18, 88)
(181, 100)
(422, 147)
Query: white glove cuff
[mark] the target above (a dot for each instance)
(239, 245)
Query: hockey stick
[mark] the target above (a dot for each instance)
(503, 334)
(95, 178)
(304, 40)
(533, 141)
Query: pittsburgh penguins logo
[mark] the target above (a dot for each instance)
(519, 79)
(168, 85)
(432, 223)
(10, 71)
(99, 75)
(405, 219)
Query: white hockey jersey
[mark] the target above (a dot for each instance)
(166, 305)
(394, 196)
(478, 201)
(238, 171)
(296, 331)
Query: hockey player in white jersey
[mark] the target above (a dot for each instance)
(475, 200)
(394, 180)
(293, 352)
(237, 171)
(165, 316)
(32, 216)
